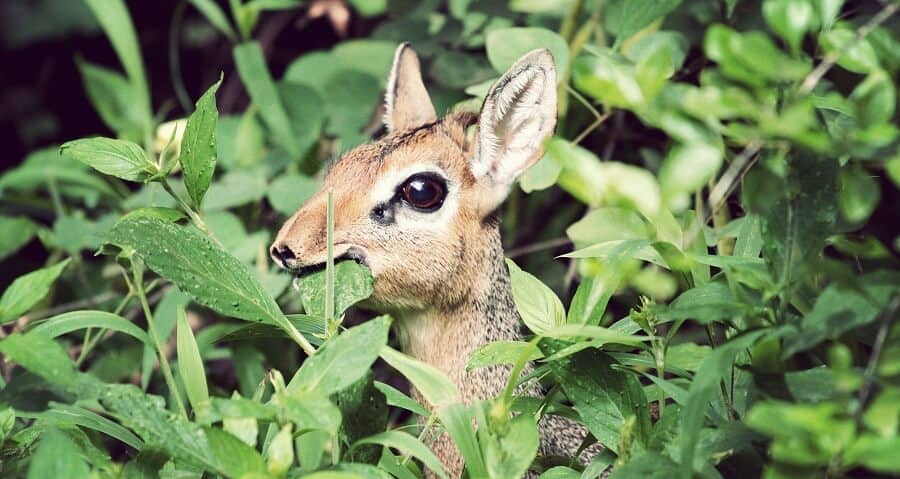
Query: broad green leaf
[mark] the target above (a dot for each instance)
(688, 168)
(28, 290)
(627, 17)
(306, 111)
(875, 453)
(364, 410)
(200, 268)
(804, 434)
(280, 455)
(707, 303)
(112, 96)
(214, 14)
(510, 454)
(457, 420)
(288, 192)
(560, 472)
(116, 22)
(190, 365)
(119, 158)
(161, 212)
(591, 298)
(859, 194)
(501, 352)
(874, 99)
(431, 383)
(57, 456)
(235, 188)
(16, 232)
(856, 55)
(607, 224)
(40, 355)
(407, 444)
(603, 396)
(369, 8)
(7, 421)
(506, 45)
(216, 450)
(752, 57)
(73, 178)
(790, 19)
(198, 146)
(310, 411)
(704, 389)
(77, 320)
(65, 414)
(343, 359)
(353, 283)
(610, 79)
(396, 398)
(251, 66)
(647, 465)
(539, 306)
(540, 176)
(840, 309)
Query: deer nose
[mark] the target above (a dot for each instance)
(282, 253)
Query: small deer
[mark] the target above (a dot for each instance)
(419, 208)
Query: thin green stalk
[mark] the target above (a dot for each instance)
(88, 345)
(163, 360)
(329, 266)
(193, 215)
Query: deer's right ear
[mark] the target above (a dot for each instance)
(407, 104)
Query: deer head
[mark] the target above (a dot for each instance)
(417, 206)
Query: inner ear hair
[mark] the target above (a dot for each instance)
(518, 115)
(406, 101)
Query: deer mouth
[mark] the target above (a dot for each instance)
(352, 253)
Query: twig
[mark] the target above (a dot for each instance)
(831, 59)
(539, 246)
(598, 117)
(887, 318)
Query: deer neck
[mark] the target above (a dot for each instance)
(446, 337)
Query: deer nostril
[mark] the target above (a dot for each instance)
(283, 253)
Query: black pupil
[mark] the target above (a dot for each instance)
(423, 192)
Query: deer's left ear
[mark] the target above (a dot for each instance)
(518, 115)
(407, 104)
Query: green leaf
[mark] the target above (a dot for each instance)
(407, 444)
(704, 389)
(501, 352)
(856, 55)
(7, 421)
(646, 465)
(790, 19)
(200, 268)
(688, 168)
(73, 177)
(610, 79)
(840, 309)
(458, 420)
(607, 224)
(397, 399)
(116, 22)
(119, 158)
(539, 306)
(353, 283)
(77, 320)
(251, 66)
(875, 453)
(57, 456)
(506, 45)
(364, 410)
(804, 434)
(369, 8)
(112, 96)
(540, 176)
(190, 365)
(604, 397)
(280, 455)
(707, 303)
(28, 290)
(431, 383)
(235, 188)
(16, 232)
(752, 57)
(310, 411)
(288, 192)
(215, 15)
(198, 146)
(343, 359)
(40, 355)
(874, 99)
(627, 17)
(510, 454)
(859, 194)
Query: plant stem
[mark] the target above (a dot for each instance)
(193, 215)
(163, 360)
(88, 345)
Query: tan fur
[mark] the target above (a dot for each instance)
(447, 286)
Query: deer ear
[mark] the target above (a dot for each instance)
(518, 114)
(407, 104)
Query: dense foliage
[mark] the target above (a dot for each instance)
(715, 185)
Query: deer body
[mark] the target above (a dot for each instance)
(418, 207)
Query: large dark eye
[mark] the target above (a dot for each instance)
(424, 192)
